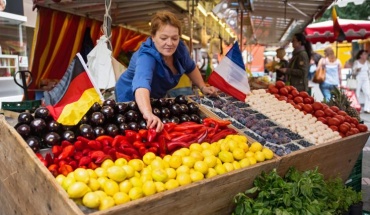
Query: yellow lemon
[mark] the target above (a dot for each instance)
(188, 161)
(175, 161)
(226, 157)
(159, 175)
(205, 145)
(145, 178)
(107, 163)
(101, 172)
(171, 172)
(255, 146)
(220, 169)
(171, 184)
(211, 173)
(146, 171)
(94, 184)
(92, 173)
(236, 165)
(71, 175)
(101, 194)
(207, 152)
(244, 162)
(183, 179)
(160, 186)
(215, 148)
(77, 190)
(228, 166)
(252, 160)
(196, 176)
(211, 161)
(186, 151)
(121, 198)
(249, 154)
(120, 162)
(67, 182)
(60, 179)
(91, 200)
(149, 157)
(110, 187)
(157, 164)
(259, 156)
(82, 175)
(136, 181)
(233, 145)
(125, 186)
(136, 193)
(244, 146)
(102, 180)
(116, 173)
(224, 146)
(183, 169)
(130, 171)
(179, 153)
(196, 147)
(106, 202)
(197, 155)
(269, 154)
(137, 164)
(149, 188)
(238, 154)
(201, 166)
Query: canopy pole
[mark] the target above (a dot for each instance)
(108, 23)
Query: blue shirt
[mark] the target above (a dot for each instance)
(148, 70)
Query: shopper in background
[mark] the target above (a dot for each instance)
(280, 54)
(297, 70)
(157, 67)
(315, 58)
(361, 68)
(333, 69)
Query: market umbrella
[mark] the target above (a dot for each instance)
(323, 31)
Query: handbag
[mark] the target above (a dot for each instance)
(320, 75)
(351, 81)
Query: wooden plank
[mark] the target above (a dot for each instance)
(333, 159)
(26, 185)
(204, 197)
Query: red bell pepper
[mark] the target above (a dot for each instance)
(130, 151)
(169, 126)
(222, 134)
(165, 134)
(184, 138)
(106, 149)
(86, 151)
(48, 159)
(162, 146)
(121, 155)
(182, 128)
(154, 150)
(222, 123)
(53, 168)
(65, 169)
(83, 139)
(56, 150)
(65, 143)
(152, 134)
(112, 153)
(142, 151)
(68, 151)
(96, 154)
(202, 136)
(105, 138)
(117, 139)
(92, 166)
(84, 161)
(79, 145)
(78, 155)
(174, 134)
(131, 135)
(100, 160)
(154, 144)
(138, 144)
(172, 146)
(143, 134)
(94, 145)
(73, 164)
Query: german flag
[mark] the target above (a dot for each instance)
(338, 32)
(73, 96)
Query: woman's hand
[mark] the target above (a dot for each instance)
(209, 91)
(152, 121)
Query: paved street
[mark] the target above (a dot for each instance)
(366, 167)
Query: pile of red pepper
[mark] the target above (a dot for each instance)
(85, 153)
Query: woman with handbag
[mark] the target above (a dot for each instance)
(361, 68)
(332, 68)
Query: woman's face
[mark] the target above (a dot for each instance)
(296, 43)
(166, 40)
(363, 56)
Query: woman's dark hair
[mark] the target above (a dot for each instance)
(163, 18)
(307, 45)
(316, 57)
(359, 53)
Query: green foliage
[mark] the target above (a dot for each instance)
(351, 11)
(296, 194)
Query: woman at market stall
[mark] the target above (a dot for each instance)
(157, 67)
(333, 69)
(361, 68)
(297, 70)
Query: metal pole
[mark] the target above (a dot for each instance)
(190, 25)
(108, 22)
(241, 31)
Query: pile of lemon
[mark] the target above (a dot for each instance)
(121, 181)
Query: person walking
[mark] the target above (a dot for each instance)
(361, 68)
(297, 71)
(333, 69)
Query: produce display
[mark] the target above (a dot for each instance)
(296, 193)
(120, 181)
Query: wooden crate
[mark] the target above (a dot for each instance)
(27, 187)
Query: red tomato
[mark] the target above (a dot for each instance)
(333, 121)
(319, 113)
(289, 88)
(298, 100)
(273, 90)
(307, 108)
(349, 133)
(329, 112)
(298, 107)
(342, 134)
(340, 118)
(354, 121)
(334, 108)
(283, 98)
(353, 125)
(362, 127)
(300, 104)
(307, 100)
(355, 130)
(294, 93)
(342, 113)
(304, 94)
(348, 119)
(324, 106)
(291, 102)
(279, 84)
(290, 96)
(344, 128)
(333, 127)
(277, 96)
(323, 120)
(283, 91)
(317, 106)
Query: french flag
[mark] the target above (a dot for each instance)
(230, 76)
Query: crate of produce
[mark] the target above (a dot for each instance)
(30, 105)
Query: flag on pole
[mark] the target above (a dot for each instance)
(230, 75)
(338, 32)
(73, 96)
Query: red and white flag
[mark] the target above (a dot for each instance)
(230, 75)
